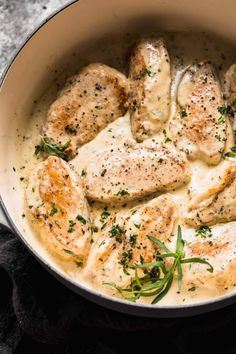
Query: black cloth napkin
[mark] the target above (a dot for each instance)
(39, 315)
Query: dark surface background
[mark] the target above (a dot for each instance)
(38, 315)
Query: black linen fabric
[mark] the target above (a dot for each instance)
(39, 315)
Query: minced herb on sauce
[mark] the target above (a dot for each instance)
(117, 232)
(231, 153)
(126, 257)
(137, 226)
(83, 173)
(122, 192)
(105, 214)
(71, 226)
(203, 231)
(183, 113)
(54, 210)
(145, 72)
(81, 219)
(133, 240)
(167, 139)
(221, 120)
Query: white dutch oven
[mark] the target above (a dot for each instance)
(31, 70)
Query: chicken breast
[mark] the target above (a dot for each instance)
(58, 207)
(217, 200)
(219, 251)
(124, 241)
(198, 128)
(155, 218)
(92, 99)
(230, 94)
(150, 81)
(131, 171)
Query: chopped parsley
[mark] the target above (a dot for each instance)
(167, 139)
(94, 229)
(222, 110)
(145, 72)
(83, 173)
(126, 257)
(71, 226)
(53, 210)
(137, 226)
(122, 192)
(231, 153)
(221, 120)
(183, 113)
(105, 214)
(117, 232)
(133, 240)
(81, 219)
(203, 231)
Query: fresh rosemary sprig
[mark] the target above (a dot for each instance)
(158, 279)
(52, 149)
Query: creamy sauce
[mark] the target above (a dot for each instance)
(184, 49)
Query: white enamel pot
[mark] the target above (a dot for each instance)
(32, 69)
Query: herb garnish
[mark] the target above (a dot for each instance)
(183, 113)
(145, 72)
(53, 210)
(126, 257)
(71, 226)
(52, 149)
(83, 173)
(231, 153)
(94, 229)
(117, 232)
(224, 110)
(105, 214)
(68, 251)
(81, 219)
(203, 231)
(221, 120)
(133, 240)
(122, 192)
(167, 139)
(158, 279)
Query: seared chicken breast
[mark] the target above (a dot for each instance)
(131, 171)
(150, 80)
(217, 200)
(155, 218)
(198, 128)
(219, 251)
(58, 207)
(92, 99)
(230, 94)
(124, 241)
